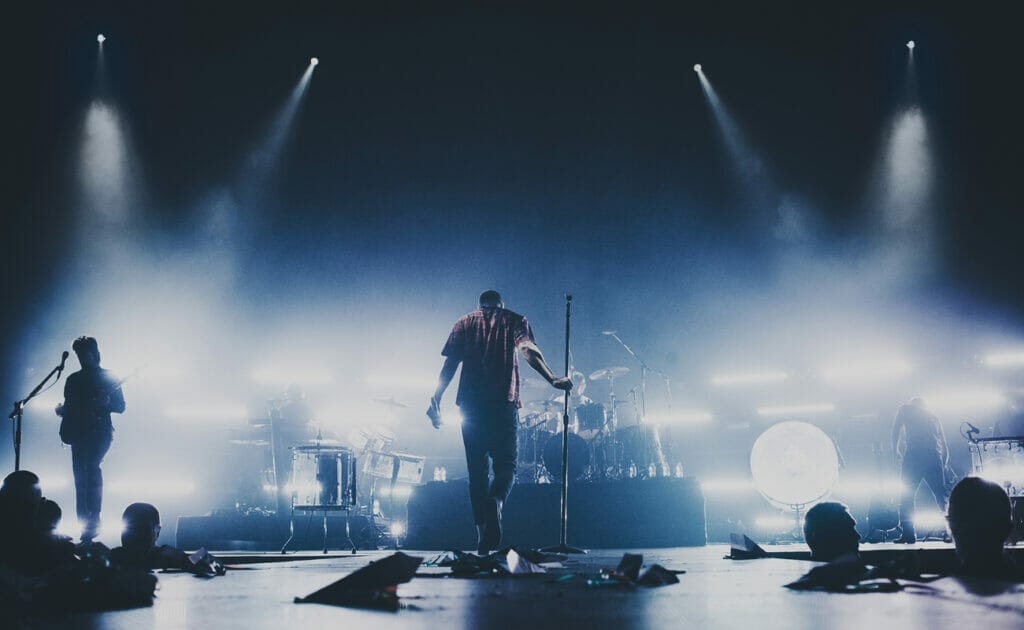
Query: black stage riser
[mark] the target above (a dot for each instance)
(632, 513)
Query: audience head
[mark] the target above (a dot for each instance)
(20, 495)
(830, 531)
(979, 519)
(88, 351)
(141, 526)
(48, 516)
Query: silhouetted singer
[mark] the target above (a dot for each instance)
(486, 341)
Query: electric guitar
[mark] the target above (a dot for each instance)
(75, 427)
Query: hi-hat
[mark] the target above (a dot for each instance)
(607, 374)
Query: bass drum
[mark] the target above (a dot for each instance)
(579, 457)
(794, 463)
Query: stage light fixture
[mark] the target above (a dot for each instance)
(794, 464)
(911, 45)
(696, 67)
(313, 61)
(397, 529)
(101, 38)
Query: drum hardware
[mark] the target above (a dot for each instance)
(609, 373)
(323, 480)
(794, 464)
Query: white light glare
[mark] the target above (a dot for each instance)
(775, 522)
(925, 521)
(865, 487)
(397, 529)
(911, 44)
(863, 371)
(404, 381)
(101, 38)
(401, 492)
(973, 401)
(284, 375)
(697, 68)
(680, 417)
(726, 486)
(207, 412)
(795, 410)
(750, 378)
(1005, 359)
(109, 532)
(313, 61)
(152, 487)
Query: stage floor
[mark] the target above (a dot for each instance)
(713, 593)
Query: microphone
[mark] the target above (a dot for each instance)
(608, 332)
(568, 297)
(973, 429)
(63, 360)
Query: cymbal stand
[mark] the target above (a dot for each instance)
(644, 369)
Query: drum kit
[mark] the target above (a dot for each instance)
(318, 471)
(599, 448)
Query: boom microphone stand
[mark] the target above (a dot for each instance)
(19, 408)
(563, 546)
(644, 369)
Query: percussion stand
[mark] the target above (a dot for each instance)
(563, 546)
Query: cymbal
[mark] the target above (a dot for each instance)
(607, 374)
(391, 402)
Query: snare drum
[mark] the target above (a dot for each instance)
(323, 476)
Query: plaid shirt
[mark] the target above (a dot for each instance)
(486, 342)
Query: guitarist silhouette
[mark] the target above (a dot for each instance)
(90, 396)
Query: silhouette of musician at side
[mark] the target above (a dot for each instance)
(90, 396)
(924, 459)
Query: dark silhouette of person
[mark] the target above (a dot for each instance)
(924, 459)
(979, 519)
(831, 533)
(28, 543)
(486, 342)
(20, 496)
(90, 396)
(139, 550)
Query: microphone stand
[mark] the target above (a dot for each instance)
(563, 545)
(644, 369)
(19, 409)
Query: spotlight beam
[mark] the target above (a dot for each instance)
(748, 164)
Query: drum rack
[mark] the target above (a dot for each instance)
(313, 509)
